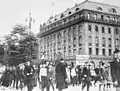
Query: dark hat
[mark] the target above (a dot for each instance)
(62, 59)
(103, 64)
(116, 50)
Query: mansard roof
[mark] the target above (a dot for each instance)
(89, 5)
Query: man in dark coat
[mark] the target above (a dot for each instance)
(61, 75)
(86, 78)
(115, 69)
(30, 77)
(79, 72)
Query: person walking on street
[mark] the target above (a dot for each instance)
(29, 73)
(115, 69)
(73, 76)
(61, 75)
(86, 78)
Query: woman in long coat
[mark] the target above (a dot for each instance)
(61, 75)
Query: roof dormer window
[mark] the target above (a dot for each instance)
(62, 15)
(55, 19)
(76, 9)
(69, 12)
(99, 8)
(49, 22)
(113, 10)
(44, 24)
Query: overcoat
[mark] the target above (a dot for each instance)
(61, 76)
(115, 71)
(30, 76)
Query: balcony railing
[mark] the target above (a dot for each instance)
(83, 18)
(100, 20)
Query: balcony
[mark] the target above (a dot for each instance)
(83, 18)
(103, 21)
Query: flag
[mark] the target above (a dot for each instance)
(75, 2)
(30, 20)
(53, 2)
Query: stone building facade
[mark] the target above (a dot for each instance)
(89, 28)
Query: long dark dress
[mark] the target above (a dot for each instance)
(6, 78)
(61, 76)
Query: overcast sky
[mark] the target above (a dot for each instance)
(16, 11)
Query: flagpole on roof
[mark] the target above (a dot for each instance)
(75, 2)
(53, 7)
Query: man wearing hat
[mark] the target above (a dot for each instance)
(115, 69)
(29, 73)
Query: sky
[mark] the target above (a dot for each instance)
(17, 11)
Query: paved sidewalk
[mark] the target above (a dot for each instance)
(70, 88)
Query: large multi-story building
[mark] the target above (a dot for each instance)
(88, 28)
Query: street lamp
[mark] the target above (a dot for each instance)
(30, 20)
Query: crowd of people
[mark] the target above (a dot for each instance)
(47, 74)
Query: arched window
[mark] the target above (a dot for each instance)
(69, 12)
(55, 19)
(62, 15)
(47, 41)
(59, 35)
(76, 9)
(59, 40)
(65, 34)
(44, 24)
(113, 10)
(99, 8)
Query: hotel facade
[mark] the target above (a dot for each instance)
(88, 28)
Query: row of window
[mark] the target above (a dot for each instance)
(103, 29)
(89, 15)
(90, 43)
(97, 51)
(97, 29)
(71, 31)
(97, 41)
(103, 51)
(60, 22)
(113, 10)
(101, 17)
(117, 42)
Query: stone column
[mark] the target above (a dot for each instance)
(85, 39)
(100, 41)
(67, 43)
(106, 40)
(113, 39)
(106, 45)
(62, 43)
(56, 42)
(93, 39)
(72, 41)
(77, 38)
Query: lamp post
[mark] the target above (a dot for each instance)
(30, 20)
